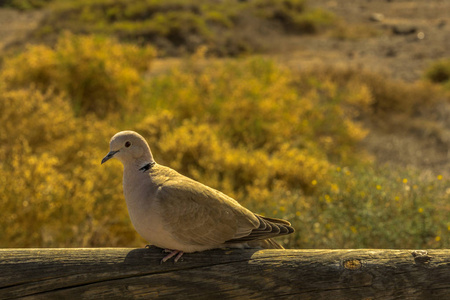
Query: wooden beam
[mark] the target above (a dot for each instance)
(108, 273)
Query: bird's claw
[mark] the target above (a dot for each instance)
(171, 254)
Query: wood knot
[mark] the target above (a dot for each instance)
(421, 256)
(352, 264)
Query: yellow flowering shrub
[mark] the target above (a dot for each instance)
(30, 118)
(242, 122)
(53, 190)
(253, 103)
(97, 74)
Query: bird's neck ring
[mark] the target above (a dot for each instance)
(147, 166)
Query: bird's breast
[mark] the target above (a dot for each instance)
(145, 213)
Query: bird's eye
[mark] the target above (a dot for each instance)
(127, 144)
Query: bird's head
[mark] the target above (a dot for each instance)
(129, 147)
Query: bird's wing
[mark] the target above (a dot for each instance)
(199, 215)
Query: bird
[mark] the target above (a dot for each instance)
(180, 215)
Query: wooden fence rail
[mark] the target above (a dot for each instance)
(110, 273)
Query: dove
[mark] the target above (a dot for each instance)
(181, 215)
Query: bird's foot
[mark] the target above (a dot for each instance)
(171, 254)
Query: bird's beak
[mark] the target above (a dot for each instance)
(109, 156)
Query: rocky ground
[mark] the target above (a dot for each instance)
(408, 35)
(15, 25)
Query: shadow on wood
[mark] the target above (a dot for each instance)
(94, 273)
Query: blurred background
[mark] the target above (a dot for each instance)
(334, 115)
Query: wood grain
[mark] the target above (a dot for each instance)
(109, 273)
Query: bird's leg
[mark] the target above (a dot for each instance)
(171, 254)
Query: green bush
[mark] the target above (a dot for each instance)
(439, 72)
(363, 207)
